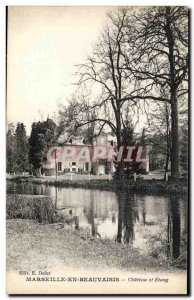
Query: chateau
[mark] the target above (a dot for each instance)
(70, 163)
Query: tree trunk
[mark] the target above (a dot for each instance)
(168, 140)
(168, 154)
(166, 165)
(120, 217)
(120, 164)
(175, 160)
(173, 98)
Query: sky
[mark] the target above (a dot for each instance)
(44, 45)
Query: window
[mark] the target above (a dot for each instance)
(73, 169)
(59, 166)
(87, 166)
(73, 163)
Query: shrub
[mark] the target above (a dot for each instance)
(39, 208)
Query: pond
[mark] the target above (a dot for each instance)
(155, 225)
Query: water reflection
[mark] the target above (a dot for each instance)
(127, 216)
(90, 214)
(177, 228)
(155, 225)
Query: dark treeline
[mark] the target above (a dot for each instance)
(27, 154)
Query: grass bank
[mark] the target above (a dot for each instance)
(33, 246)
(152, 186)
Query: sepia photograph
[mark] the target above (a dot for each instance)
(97, 150)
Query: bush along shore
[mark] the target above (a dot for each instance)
(32, 207)
(151, 186)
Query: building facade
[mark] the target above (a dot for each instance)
(78, 157)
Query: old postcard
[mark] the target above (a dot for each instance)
(97, 150)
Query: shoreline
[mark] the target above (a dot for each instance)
(152, 186)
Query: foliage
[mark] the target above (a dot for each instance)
(17, 149)
(10, 149)
(21, 144)
(127, 133)
(157, 151)
(41, 138)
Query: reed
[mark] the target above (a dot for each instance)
(39, 208)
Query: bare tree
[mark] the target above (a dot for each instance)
(138, 53)
(79, 117)
(104, 70)
(160, 58)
